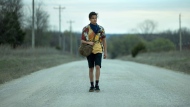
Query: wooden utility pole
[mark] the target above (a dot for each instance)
(60, 36)
(33, 33)
(76, 46)
(180, 38)
(71, 44)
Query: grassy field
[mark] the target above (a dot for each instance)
(175, 60)
(23, 61)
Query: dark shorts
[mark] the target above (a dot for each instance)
(94, 59)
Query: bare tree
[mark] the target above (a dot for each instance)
(41, 18)
(41, 23)
(147, 27)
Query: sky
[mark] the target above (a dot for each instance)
(117, 16)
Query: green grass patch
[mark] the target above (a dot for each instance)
(174, 60)
(23, 61)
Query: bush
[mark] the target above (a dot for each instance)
(137, 48)
(161, 44)
(58, 47)
(122, 45)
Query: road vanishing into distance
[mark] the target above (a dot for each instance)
(122, 84)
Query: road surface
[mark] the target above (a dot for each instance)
(122, 84)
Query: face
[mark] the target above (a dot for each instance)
(93, 19)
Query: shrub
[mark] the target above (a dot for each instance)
(58, 47)
(122, 45)
(161, 44)
(138, 48)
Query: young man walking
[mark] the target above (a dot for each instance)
(96, 32)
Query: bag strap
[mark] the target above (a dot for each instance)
(94, 37)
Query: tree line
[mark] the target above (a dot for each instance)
(119, 45)
(11, 18)
(16, 25)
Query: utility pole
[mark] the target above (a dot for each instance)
(76, 46)
(180, 38)
(33, 34)
(60, 36)
(71, 44)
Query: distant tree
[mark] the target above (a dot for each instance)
(122, 45)
(161, 44)
(42, 38)
(174, 37)
(147, 27)
(11, 18)
(2, 40)
(138, 48)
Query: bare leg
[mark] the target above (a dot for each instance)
(91, 75)
(97, 72)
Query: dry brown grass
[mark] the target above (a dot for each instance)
(174, 60)
(23, 61)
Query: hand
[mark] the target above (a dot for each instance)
(91, 43)
(105, 55)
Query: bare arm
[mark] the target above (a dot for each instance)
(86, 42)
(105, 48)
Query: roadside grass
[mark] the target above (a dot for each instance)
(173, 60)
(15, 63)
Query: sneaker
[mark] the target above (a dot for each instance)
(91, 89)
(97, 89)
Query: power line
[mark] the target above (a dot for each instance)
(60, 36)
(71, 44)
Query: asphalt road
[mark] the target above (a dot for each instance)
(122, 84)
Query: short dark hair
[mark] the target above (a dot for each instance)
(92, 13)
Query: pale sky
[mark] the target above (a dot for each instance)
(118, 16)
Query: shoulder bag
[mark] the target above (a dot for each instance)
(86, 49)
